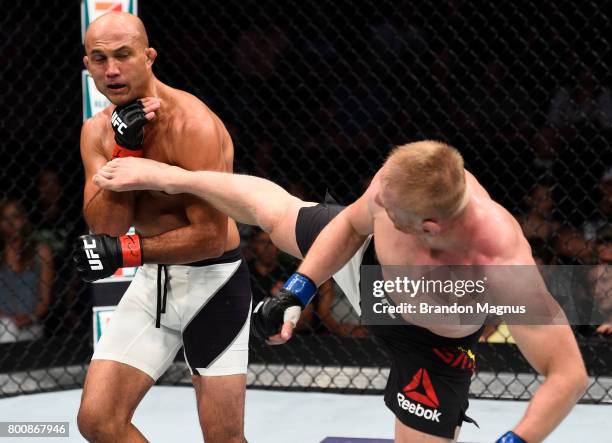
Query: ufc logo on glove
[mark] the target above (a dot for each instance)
(118, 123)
(94, 259)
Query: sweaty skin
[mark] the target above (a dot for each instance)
(181, 131)
(175, 229)
(486, 234)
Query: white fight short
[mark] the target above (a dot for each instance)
(207, 311)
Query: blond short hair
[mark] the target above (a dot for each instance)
(426, 178)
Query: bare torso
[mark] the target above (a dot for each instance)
(496, 238)
(157, 212)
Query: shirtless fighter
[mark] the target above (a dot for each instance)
(193, 287)
(443, 216)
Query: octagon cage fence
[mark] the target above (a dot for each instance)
(314, 95)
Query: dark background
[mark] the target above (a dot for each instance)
(315, 93)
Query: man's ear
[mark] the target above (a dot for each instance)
(151, 54)
(86, 62)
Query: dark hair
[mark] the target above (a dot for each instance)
(28, 248)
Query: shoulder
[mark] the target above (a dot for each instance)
(194, 118)
(499, 235)
(100, 120)
(94, 127)
(502, 240)
(197, 133)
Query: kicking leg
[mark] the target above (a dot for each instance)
(247, 199)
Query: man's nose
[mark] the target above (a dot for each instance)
(112, 68)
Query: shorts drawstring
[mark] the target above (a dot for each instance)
(161, 300)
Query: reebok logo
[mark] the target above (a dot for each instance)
(94, 259)
(118, 123)
(428, 397)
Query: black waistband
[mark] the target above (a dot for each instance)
(226, 257)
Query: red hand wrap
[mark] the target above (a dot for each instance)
(120, 152)
(131, 250)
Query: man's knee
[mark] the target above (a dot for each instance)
(277, 210)
(97, 426)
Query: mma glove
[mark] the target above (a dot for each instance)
(99, 256)
(128, 123)
(510, 437)
(270, 313)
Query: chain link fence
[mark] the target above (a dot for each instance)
(314, 94)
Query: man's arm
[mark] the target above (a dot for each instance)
(553, 352)
(340, 239)
(550, 346)
(332, 249)
(106, 212)
(206, 234)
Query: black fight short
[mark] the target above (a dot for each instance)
(430, 375)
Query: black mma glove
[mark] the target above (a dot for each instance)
(270, 313)
(128, 123)
(99, 256)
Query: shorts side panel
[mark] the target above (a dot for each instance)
(216, 337)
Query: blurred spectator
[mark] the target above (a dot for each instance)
(330, 313)
(601, 278)
(537, 220)
(57, 222)
(323, 315)
(604, 252)
(576, 116)
(595, 239)
(571, 247)
(52, 217)
(544, 145)
(598, 227)
(26, 276)
(587, 101)
(267, 274)
(49, 195)
(575, 119)
(602, 289)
